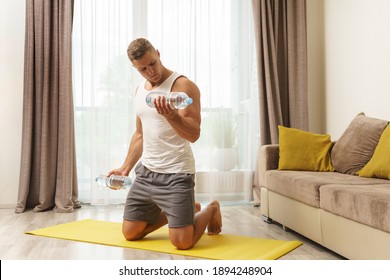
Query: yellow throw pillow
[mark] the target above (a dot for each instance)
(379, 164)
(302, 150)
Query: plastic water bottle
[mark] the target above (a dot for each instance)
(177, 100)
(114, 182)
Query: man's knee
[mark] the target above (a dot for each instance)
(132, 231)
(132, 235)
(182, 238)
(182, 243)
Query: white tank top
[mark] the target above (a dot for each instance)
(164, 151)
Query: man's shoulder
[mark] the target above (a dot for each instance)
(183, 81)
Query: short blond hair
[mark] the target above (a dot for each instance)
(138, 48)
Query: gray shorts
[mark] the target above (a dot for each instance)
(153, 192)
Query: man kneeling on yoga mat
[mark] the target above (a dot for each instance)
(163, 190)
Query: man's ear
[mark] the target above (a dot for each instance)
(158, 53)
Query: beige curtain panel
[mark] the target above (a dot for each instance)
(48, 176)
(280, 30)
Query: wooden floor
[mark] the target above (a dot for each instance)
(238, 219)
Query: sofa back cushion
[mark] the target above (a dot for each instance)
(302, 150)
(379, 164)
(357, 144)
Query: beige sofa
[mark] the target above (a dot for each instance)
(346, 213)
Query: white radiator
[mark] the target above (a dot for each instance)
(224, 185)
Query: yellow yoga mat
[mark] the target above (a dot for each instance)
(217, 247)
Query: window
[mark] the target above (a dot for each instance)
(209, 41)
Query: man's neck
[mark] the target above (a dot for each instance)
(165, 75)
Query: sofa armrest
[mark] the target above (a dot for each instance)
(268, 160)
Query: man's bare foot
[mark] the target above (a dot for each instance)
(215, 225)
(198, 207)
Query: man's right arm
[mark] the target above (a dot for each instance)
(134, 153)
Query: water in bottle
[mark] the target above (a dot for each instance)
(114, 182)
(177, 100)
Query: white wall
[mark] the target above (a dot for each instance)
(349, 62)
(357, 61)
(12, 28)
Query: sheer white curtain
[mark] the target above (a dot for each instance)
(103, 86)
(209, 41)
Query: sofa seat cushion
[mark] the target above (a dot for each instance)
(304, 186)
(366, 204)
